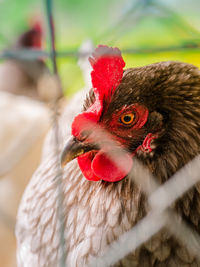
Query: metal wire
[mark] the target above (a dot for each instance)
(58, 178)
(161, 214)
(31, 54)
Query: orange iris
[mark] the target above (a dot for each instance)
(127, 119)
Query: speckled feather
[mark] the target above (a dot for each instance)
(96, 213)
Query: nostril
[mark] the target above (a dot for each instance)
(84, 135)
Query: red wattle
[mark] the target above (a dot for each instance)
(99, 166)
(107, 170)
(85, 162)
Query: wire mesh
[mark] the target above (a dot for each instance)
(58, 178)
(161, 214)
(160, 199)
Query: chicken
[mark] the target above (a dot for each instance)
(152, 112)
(20, 145)
(26, 74)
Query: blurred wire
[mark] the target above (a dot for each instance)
(30, 54)
(52, 35)
(169, 192)
(131, 15)
(136, 11)
(161, 214)
(58, 178)
(177, 20)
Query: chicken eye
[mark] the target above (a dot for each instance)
(127, 119)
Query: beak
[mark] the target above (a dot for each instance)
(75, 148)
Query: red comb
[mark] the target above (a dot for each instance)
(37, 34)
(107, 73)
(107, 64)
(37, 26)
(32, 38)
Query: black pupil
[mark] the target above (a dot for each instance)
(127, 118)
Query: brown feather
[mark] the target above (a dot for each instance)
(97, 213)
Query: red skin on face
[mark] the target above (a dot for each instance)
(106, 77)
(98, 165)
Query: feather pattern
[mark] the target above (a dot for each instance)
(97, 213)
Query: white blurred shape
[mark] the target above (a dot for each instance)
(22, 122)
(86, 49)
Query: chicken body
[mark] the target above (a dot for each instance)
(97, 213)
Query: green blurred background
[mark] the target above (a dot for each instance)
(127, 24)
(149, 29)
